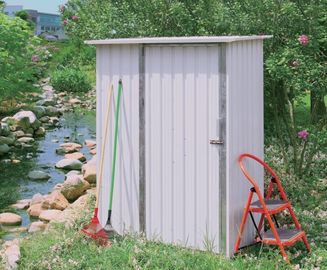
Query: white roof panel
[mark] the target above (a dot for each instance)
(176, 40)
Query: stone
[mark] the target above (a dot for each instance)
(54, 120)
(7, 140)
(17, 230)
(58, 187)
(40, 132)
(15, 161)
(74, 101)
(4, 149)
(35, 210)
(26, 140)
(36, 199)
(19, 134)
(55, 201)
(48, 215)
(90, 143)
(38, 175)
(4, 129)
(90, 171)
(21, 204)
(11, 254)
(25, 119)
(40, 111)
(93, 151)
(37, 226)
(46, 102)
(69, 164)
(45, 119)
(62, 94)
(71, 147)
(52, 111)
(73, 187)
(73, 172)
(76, 155)
(10, 219)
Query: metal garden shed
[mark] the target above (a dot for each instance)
(190, 106)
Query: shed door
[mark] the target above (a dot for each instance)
(182, 167)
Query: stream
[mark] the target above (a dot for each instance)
(74, 127)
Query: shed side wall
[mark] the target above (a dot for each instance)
(244, 131)
(113, 63)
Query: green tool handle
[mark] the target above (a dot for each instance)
(113, 172)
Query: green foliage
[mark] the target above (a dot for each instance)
(70, 80)
(21, 60)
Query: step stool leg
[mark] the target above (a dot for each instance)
(244, 218)
(305, 241)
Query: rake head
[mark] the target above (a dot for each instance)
(95, 231)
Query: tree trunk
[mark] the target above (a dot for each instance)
(318, 108)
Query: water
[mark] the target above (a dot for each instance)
(14, 183)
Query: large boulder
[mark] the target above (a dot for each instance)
(37, 198)
(4, 149)
(89, 171)
(7, 140)
(48, 215)
(10, 219)
(73, 187)
(25, 119)
(76, 155)
(69, 164)
(11, 254)
(55, 201)
(35, 210)
(38, 175)
(22, 204)
(37, 226)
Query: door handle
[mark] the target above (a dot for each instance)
(216, 141)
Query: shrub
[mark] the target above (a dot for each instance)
(70, 80)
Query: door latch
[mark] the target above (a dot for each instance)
(216, 141)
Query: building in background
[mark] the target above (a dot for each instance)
(45, 23)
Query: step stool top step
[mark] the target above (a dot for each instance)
(271, 204)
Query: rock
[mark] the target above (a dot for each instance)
(36, 199)
(4, 129)
(90, 171)
(25, 119)
(40, 132)
(17, 230)
(15, 161)
(4, 149)
(7, 140)
(38, 175)
(21, 204)
(11, 254)
(26, 140)
(47, 87)
(90, 143)
(37, 226)
(76, 155)
(19, 134)
(93, 151)
(55, 201)
(54, 120)
(35, 210)
(69, 164)
(71, 147)
(46, 102)
(58, 187)
(74, 101)
(52, 111)
(48, 215)
(39, 111)
(73, 172)
(73, 187)
(62, 94)
(45, 119)
(10, 219)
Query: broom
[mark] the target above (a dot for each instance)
(108, 227)
(94, 229)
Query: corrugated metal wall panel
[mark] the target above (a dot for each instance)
(244, 130)
(181, 166)
(114, 63)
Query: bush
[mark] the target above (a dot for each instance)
(70, 80)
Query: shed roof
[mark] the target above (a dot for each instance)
(176, 40)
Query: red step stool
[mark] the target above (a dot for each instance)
(268, 207)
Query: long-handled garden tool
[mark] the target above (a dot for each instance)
(108, 227)
(94, 229)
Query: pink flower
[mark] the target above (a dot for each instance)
(303, 135)
(74, 18)
(35, 58)
(62, 8)
(65, 22)
(303, 39)
(294, 63)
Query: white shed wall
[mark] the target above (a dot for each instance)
(244, 65)
(114, 63)
(182, 183)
